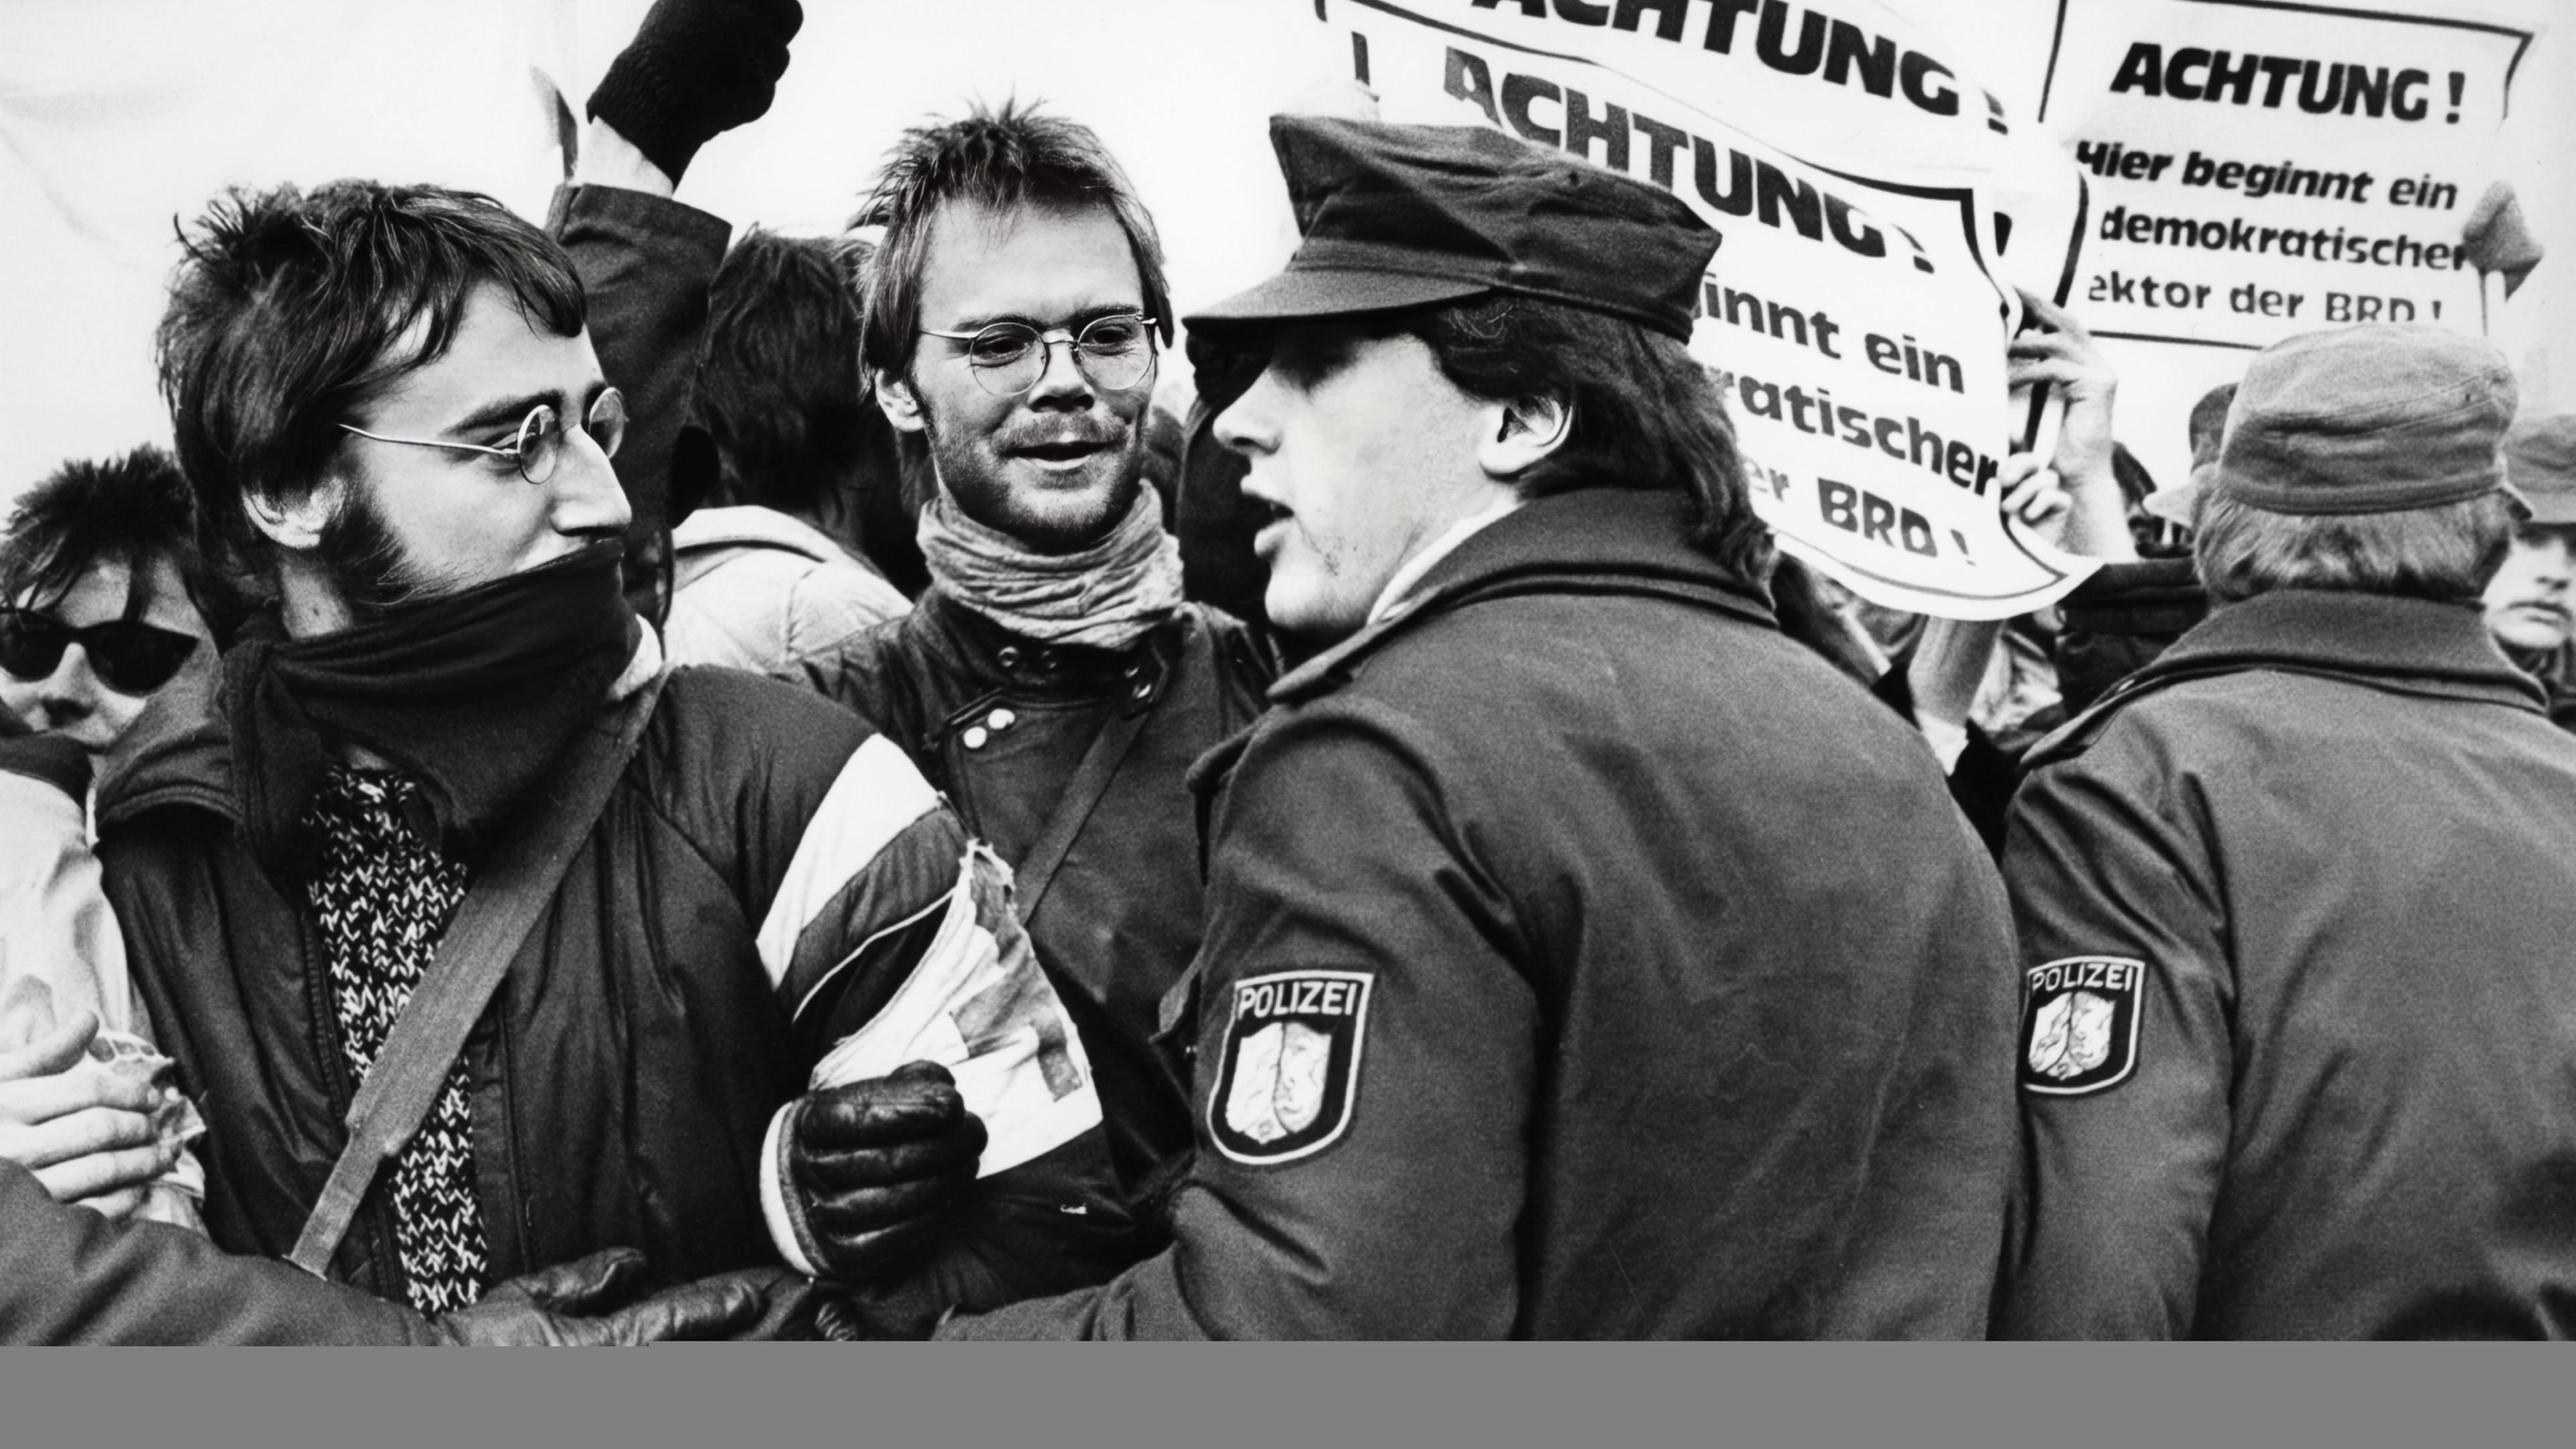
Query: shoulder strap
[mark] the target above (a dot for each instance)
(1109, 749)
(1328, 670)
(473, 954)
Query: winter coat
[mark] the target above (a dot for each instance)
(763, 881)
(2300, 1015)
(1585, 959)
(758, 590)
(1000, 723)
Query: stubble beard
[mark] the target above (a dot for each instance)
(977, 484)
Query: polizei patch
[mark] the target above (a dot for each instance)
(2079, 1025)
(1291, 1069)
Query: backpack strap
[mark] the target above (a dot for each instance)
(473, 954)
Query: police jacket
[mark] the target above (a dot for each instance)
(1584, 959)
(1002, 725)
(763, 881)
(2300, 1018)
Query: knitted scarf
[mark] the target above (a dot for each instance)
(1105, 597)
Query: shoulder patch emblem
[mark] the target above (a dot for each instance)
(2079, 1025)
(1290, 1073)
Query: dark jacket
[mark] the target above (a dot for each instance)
(68, 1275)
(2316, 868)
(1000, 723)
(1585, 959)
(763, 879)
(646, 263)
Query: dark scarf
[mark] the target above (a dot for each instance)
(475, 695)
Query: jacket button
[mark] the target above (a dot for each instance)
(1009, 654)
(1001, 719)
(1145, 690)
(974, 738)
(1135, 669)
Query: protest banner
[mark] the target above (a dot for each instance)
(1850, 317)
(2262, 169)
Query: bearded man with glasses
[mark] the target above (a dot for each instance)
(714, 921)
(1052, 681)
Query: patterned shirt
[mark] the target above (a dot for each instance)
(382, 899)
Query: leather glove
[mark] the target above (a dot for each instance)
(695, 70)
(872, 1166)
(593, 1302)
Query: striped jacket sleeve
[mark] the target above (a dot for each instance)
(891, 938)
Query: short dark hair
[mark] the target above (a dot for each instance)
(780, 390)
(290, 310)
(2445, 553)
(133, 509)
(1645, 413)
(1004, 159)
(2209, 422)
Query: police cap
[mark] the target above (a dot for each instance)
(1407, 216)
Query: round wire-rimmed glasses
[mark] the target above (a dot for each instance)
(539, 443)
(1008, 358)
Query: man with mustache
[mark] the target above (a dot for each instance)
(1052, 681)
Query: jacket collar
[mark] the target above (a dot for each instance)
(1613, 540)
(185, 755)
(2412, 645)
(990, 655)
(698, 540)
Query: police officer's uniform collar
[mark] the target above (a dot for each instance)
(2405, 646)
(1606, 540)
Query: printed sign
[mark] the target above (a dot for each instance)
(1851, 318)
(2261, 169)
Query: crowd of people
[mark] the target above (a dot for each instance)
(618, 782)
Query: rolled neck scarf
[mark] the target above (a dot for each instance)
(1105, 597)
(476, 695)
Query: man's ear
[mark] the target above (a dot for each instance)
(297, 524)
(895, 399)
(1517, 435)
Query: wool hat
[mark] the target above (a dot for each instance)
(1407, 216)
(2379, 418)
(2540, 461)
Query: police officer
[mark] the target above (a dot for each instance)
(1584, 958)
(2295, 904)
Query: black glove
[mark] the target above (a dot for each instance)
(872, 1166)
(590, 1303)
(695, 70)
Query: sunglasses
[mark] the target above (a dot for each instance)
(128, 657)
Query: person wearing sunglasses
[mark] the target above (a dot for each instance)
(99, 597)
(100, 629)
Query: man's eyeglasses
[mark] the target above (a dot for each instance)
(539, 443)
(1113, 352)
(128, 657)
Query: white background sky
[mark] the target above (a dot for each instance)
(116, 115)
